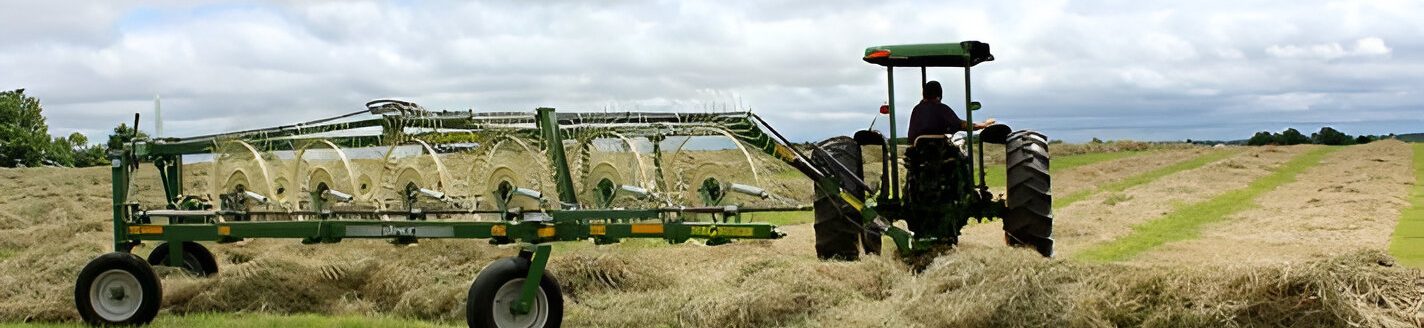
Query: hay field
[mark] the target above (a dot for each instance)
(1310, 252)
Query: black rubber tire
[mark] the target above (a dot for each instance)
(149, 285)
(839, 234)
(479, 304)
(1028, 220)
(196, 258)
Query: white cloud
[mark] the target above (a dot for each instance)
(1365, 47)
(1067, 68)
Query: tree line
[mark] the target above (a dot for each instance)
(1326, 136)
(25, 139)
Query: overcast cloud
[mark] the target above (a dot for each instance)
(1113, 69)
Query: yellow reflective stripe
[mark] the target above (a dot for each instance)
(785, 153)
(224, 230)
(598, 230)
(145, 230)
(852, 201)
(647, 228)
(497, 231)
(546, 232)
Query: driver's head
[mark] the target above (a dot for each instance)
(933, 91)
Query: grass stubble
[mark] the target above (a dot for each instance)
(745, 284)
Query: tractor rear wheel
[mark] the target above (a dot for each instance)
(839, 234)
(1028, 222)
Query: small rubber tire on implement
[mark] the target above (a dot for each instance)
(498, 287)
(839, 234)
(117, 289)
(1028, 221)
(196, 258)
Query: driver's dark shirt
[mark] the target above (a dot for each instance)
(933, 117)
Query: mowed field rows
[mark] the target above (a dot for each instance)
(1302, 243)
(1349, 201)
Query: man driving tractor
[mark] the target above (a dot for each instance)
(933, 117)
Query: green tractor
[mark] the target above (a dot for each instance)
(940, 193)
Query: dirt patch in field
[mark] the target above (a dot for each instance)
(1104, 217)
(1349, 202)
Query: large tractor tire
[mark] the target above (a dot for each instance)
(839, 234)
(1028, 222)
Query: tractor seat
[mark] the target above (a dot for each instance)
(936, 147)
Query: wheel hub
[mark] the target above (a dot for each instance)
(508, 295)
(123, 295)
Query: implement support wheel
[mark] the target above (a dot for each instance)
(1029, 219)
(498, 287)
(196, 258)
(117, 289)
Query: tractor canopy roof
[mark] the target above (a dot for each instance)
(963, 54)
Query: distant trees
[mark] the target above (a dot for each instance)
(1329, 136)
(25, 139)
(1261, 139)
(1292, 137)
(1326, 136)
(123, 135)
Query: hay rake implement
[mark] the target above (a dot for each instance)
(532, 178)
(399, 172)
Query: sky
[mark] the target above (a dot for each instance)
(1075, 70)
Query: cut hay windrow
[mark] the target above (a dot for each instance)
(994, 175)
(1185, 222)
(1145, 177)
(1349, 202)
(1408, 242)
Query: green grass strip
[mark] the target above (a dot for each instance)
(781, 218)
(995, 175)
(1145, 177)
(1185, 222)
(1407, 245)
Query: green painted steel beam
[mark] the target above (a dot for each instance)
(538, 259)
(529, 231)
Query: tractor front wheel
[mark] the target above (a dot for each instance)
(1028, 221)
(499, 285)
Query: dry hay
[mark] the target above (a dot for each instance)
(745, 284)
(1349, 202)
(1107, 216)
(1088, 177)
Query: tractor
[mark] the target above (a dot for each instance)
(940, 194)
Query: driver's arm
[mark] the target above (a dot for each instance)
(980, 125)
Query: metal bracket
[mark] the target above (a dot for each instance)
(538, 257)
